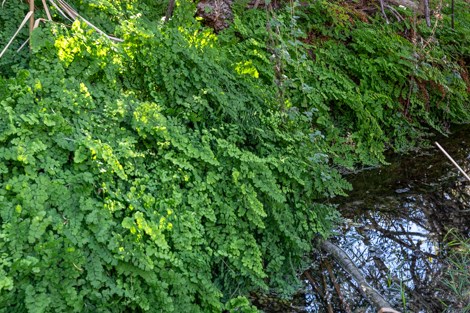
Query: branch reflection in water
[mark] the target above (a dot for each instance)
(396, 227)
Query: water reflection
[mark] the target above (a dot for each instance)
(395, 223)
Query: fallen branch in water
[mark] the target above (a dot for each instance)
(452, 160)
(348, 265)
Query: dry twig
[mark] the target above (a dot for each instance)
(382, 8)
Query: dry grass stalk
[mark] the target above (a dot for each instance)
(26, 18)
(452, 160)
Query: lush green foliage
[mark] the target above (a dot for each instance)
(181, 170)
(369, 85)
(149, 174)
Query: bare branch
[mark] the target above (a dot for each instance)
(395, 13)
(426, 13)
(382, 8)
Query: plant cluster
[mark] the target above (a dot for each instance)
(370, 86)
(181, 170)
(150, 174)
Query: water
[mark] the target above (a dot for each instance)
(397, 223)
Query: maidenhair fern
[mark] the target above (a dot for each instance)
(181, 170)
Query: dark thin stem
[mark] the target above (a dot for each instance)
(325, 288)
(453, 14)
(395, 13)
(382, 8)
(411, 246)
(344, 304)
(321, 294)
(426, 13)
(169, 10)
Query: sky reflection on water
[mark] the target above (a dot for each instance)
(396, 220)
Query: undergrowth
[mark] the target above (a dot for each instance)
(182, 170)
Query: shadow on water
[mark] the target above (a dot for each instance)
(396, 230)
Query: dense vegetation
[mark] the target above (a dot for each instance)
(182, 169)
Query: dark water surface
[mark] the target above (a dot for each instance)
(396, 230)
